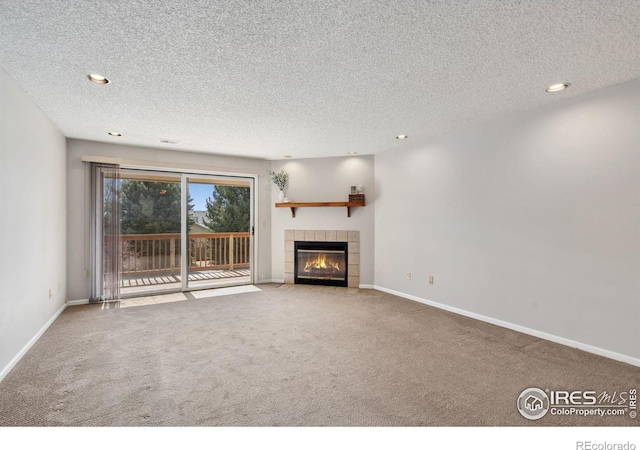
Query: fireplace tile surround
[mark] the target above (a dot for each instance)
(352, 237)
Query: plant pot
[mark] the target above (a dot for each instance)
(281, 196)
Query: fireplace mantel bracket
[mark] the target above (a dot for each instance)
(295, 205)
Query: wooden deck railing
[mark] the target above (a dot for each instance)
(160, 253)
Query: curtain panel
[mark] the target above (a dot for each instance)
(106, 251)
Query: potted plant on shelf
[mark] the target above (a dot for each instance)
(280, 179)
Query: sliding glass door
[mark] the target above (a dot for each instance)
(218, 233)
(174, 232)
(150, 232)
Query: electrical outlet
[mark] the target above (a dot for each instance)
(85, 273)
(408, 275)
(430, 279)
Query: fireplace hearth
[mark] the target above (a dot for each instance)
(321, 263)
(351, 237)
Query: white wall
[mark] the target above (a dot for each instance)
(32, 221)
(325, 180)
(534, 221)
(78, 199)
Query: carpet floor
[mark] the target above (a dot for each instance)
(293, 356)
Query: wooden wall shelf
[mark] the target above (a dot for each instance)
(294, 205)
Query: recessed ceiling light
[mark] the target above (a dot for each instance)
(114, 133)
(352, 153)
(557, 87)
(287, 156)
(402, 136)
(99, 79)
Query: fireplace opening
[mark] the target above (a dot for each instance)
(323, 263)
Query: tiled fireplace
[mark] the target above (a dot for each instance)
(328, 268)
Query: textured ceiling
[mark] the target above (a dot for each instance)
(307, 78)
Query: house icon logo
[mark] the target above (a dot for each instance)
(533, 403)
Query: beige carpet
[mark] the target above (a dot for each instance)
(292, 356)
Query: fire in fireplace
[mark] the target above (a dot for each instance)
(323, 263)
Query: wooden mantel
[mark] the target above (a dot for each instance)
(294, 205)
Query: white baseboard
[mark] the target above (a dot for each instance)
(366, 286)
(530, 331)
(82, 301)
(277, 280)
(269, 281)
(29, 344)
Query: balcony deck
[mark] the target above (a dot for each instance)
(135, 284)
(151, 262)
